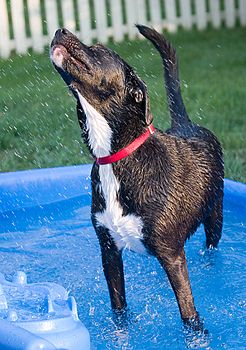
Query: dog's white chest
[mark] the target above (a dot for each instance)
(125, 230)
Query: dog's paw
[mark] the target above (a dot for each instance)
(196, 336)
(121, 318)
(197, 340)
(195, 324)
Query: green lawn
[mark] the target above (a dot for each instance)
(37, 115)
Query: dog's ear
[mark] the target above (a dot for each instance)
(138, 91)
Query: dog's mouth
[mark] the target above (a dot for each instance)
(70, 57)
(61, 56)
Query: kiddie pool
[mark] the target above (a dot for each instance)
(46, 232)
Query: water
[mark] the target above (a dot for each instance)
(56, 243)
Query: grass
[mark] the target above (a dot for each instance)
(37, 115)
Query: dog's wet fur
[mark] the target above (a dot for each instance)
(154, 199)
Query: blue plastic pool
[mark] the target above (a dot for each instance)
(45, 231)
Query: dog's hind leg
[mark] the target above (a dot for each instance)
(113, 269)
(177, 272)
(213, 225)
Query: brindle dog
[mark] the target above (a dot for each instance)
(155, 198)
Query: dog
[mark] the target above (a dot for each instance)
(150, 189)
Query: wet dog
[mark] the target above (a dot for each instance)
(150, 189)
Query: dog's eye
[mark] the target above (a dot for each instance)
(103, 82)
(104, 90)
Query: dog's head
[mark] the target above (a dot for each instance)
(103, 84)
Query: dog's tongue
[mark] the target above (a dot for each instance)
(58, 54)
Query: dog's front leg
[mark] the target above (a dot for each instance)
(177, 272)
(113, 269)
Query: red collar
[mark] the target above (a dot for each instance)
(128, 149)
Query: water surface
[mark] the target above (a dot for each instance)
(57, 243)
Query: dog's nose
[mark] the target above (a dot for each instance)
(65, 31)
(60, 36)
(61, 32)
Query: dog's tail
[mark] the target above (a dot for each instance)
(177, 109)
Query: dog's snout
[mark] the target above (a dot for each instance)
(61, 36)
(61, 33)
